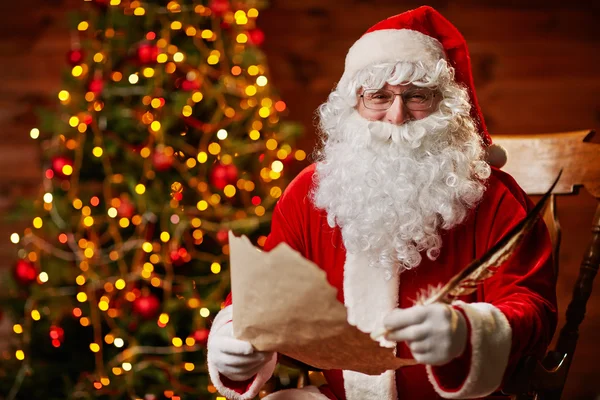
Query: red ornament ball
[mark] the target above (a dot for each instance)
(126, 208)
(201, 336)
(223, 236)
(25, 272)
(96, 86)
(180, 257)
(219, 7)
(57, 335)
(58, 166)
(146, 306)
(161, 161)
(189, 85)
(147, 53)
(223, 175)
(256, 36)
(75, 57)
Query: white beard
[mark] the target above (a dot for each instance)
(391, 188)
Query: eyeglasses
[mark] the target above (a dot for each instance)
(418, 99)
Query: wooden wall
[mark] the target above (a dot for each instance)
(535, 68)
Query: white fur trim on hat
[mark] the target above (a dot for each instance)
(223, 318)
(392, 45)
(491, 339)
(369, 297)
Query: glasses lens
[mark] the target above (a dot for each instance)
(378, 99)
(418, 99)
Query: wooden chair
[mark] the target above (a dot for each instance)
(534, 162)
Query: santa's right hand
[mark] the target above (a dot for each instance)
(236, 359)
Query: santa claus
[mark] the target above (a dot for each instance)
(400, 200)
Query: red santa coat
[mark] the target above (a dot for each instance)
(513, 314)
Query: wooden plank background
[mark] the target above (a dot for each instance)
(535, 68)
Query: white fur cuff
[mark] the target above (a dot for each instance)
(223, 318)
(491, 339)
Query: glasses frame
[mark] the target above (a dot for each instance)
(402, 97)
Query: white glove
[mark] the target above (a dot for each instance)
(435, 333)
(236, 359)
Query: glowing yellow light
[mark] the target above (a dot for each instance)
(196, 222)
(222, 134)
(94, 347)
(120, 284)
(212, 60)
(103, 305)
(249, 186)
(14, 238)
(155, 281)
(139, 11)
(126, 366)
(140, 188)
(176, 25)
(155, 126)
(193, 303)
(252, 13)
(117, 371)
(202, 157)
(187, 111)
(147, 247)
(20, 355)
(191, 163)
(82, 127)
(80, 280)
(214, 148)
(163, 318)
(63, 95)
(88, 221)
(43, 277)
(207, 34)
(81, 297)
(197, 97)
(35, 315)
(123, 222)
(98, 57)
(261, 80)
(177, 342)
(240, 17)
(105, 381)
(260, 211)
(271, 144)
(97, 151)
(178, 57)
(229, 190)
(300, 155)
(202, 205)
(277, 166)
(116, 76)
(188, 366)
(190, 31)
(18, 329)
(77, 71)
(264, 112)
(133, 79)
(112, 212)
(215, 268)
(164, 236)
(251, 90)
(119, 342)
(162, 58)
(204, 312)
(34, 133)
(37, 222)
(115, 2)
(148, 72)
(274, 175)
(83, 25)
(253, 70)
(156, 103)
(145, 152)
(241, 38)
(48, 198)
(254, 134)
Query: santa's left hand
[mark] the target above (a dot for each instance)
(435, 333)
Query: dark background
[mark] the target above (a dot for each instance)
(535, 67)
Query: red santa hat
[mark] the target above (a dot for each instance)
(421, 35)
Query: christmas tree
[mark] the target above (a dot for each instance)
(166, 136)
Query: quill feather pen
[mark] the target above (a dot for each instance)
(466, 281)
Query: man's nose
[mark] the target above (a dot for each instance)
(397, 113)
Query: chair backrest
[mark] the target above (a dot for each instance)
(534, 161)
